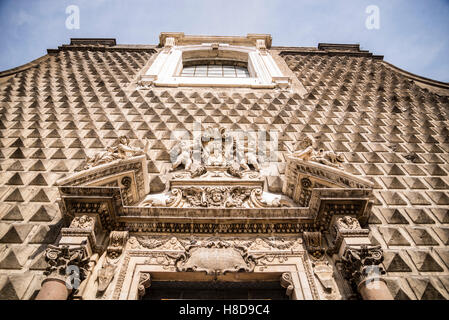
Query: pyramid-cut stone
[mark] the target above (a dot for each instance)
(419, 216)
(13, 214)
(10, 261)
(443, 233)
(394, 216)
(40, 196)
(393, 236)
(7, 290)
(426, 289)
(14, 196)
(421, 236)
(424, 261)
(398, 291)
(16, 233)
(394, 262)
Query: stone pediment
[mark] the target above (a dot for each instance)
(129, 176)
(216, 198)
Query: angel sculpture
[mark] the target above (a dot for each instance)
(184, 155)
(304, 150)
(246, 156)
(119, 150)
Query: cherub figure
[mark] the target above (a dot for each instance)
(246, 156)
(184, 151)
(213, 153)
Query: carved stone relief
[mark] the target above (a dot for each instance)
(83, 222)
(117, 242)
(304, 150)
(215, 147)
(361, 263)
(60, 259)
(118, 151)
(144, 283)
(313, 244)
(348, 223)
(287, 283)
(217, 257)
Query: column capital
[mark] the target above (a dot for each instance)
(361, 264)
(61, 260)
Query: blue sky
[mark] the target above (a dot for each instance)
(413, 35)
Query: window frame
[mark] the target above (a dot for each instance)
(166, 69)
(226, 70)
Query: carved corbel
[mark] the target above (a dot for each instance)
(313, 243)
(287, 283)
(117, 242)
(324, 272)
(144, 284)
(348, 228)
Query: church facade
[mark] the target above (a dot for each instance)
(216, 167)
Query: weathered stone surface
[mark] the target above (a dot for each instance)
(390, 128)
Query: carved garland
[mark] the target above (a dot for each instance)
(220, 197)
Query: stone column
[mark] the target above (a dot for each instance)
(361, 260)
(375, 289)
(362, 269)
(68, 263)
(65, 271)
(53, 289)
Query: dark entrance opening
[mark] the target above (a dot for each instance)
(215, 290)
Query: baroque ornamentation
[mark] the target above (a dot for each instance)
(105, 276)
(144, 283)
(348, 223)
(304, 150)
(313, 244)
(181, 243)
(83, 222)
(217, 257)
(287, 283)
(324, 272)
(117, 242)
(118, 151)
(60, 259)
(362, 263)
(217, 197)
(218, 148)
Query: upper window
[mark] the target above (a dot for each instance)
(215, 71)
(214, 61)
